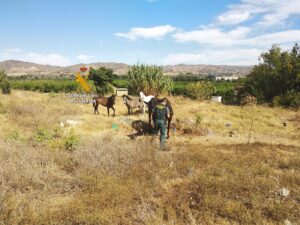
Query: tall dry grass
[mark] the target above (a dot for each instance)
(94, 174)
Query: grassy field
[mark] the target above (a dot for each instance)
(92, 170)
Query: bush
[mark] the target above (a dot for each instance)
(149, 79)
(276, 79)
(42, 135)
(46, 86)
(5, 87)
(71, 141)
(4, 84)
(179, 91)
(290, 99)
(102, 79)
(106, 89)
(229, 98)
(200, 90)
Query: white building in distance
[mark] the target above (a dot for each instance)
(227, 78)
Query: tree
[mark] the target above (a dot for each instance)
(102, 79)
(4, 84)
(277, 74)
(149, 79)
(201, 90)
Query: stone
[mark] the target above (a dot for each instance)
(287, 222)
(283, 192)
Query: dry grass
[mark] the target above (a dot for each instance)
(97, 175)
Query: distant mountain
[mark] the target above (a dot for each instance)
(17, 68)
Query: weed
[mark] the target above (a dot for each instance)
(42, 135)
(199, 119)
(71, 141)
(14, 136)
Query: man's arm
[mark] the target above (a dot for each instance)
(168, 112)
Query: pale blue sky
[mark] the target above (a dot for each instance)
(65, 32)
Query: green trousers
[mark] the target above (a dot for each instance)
(161, 125)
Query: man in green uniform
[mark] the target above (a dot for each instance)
(160, 114)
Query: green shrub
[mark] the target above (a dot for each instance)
(42, 135)
(106, 89)
(290, 99)
(120, 83)
(5, 87)
(276, 78)
(102, 78)
(200, 90)
(14, 136)
(71, 141)
(229, 98)
(45, 86)
(149, 79)
(4, 84)
(199, 119)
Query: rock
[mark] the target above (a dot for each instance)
(72, 122)
(283, 192)
(216, 99)
(287, 222)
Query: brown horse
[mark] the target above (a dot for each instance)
(151, 105)
(107, 102)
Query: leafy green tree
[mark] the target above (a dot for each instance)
(277, 73)
(102, 79)
(4, 84)
(200, 90)
(149, 79)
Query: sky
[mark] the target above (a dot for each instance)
(163, 32)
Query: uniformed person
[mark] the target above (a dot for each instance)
(160, 115)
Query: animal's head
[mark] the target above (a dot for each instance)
(142, 95)
(124, 98)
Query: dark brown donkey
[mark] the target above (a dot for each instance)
(151, 105)
(107, 102)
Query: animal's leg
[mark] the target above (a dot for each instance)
(96, 109)
(169, 124)
(149, 112)
(114, 110)
(128, 108)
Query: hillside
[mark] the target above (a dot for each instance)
(16, 68)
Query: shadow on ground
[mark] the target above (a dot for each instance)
(141, 128)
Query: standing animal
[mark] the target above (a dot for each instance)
(133, 103)
(145, 99)
(107, 102)
(155, 101)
